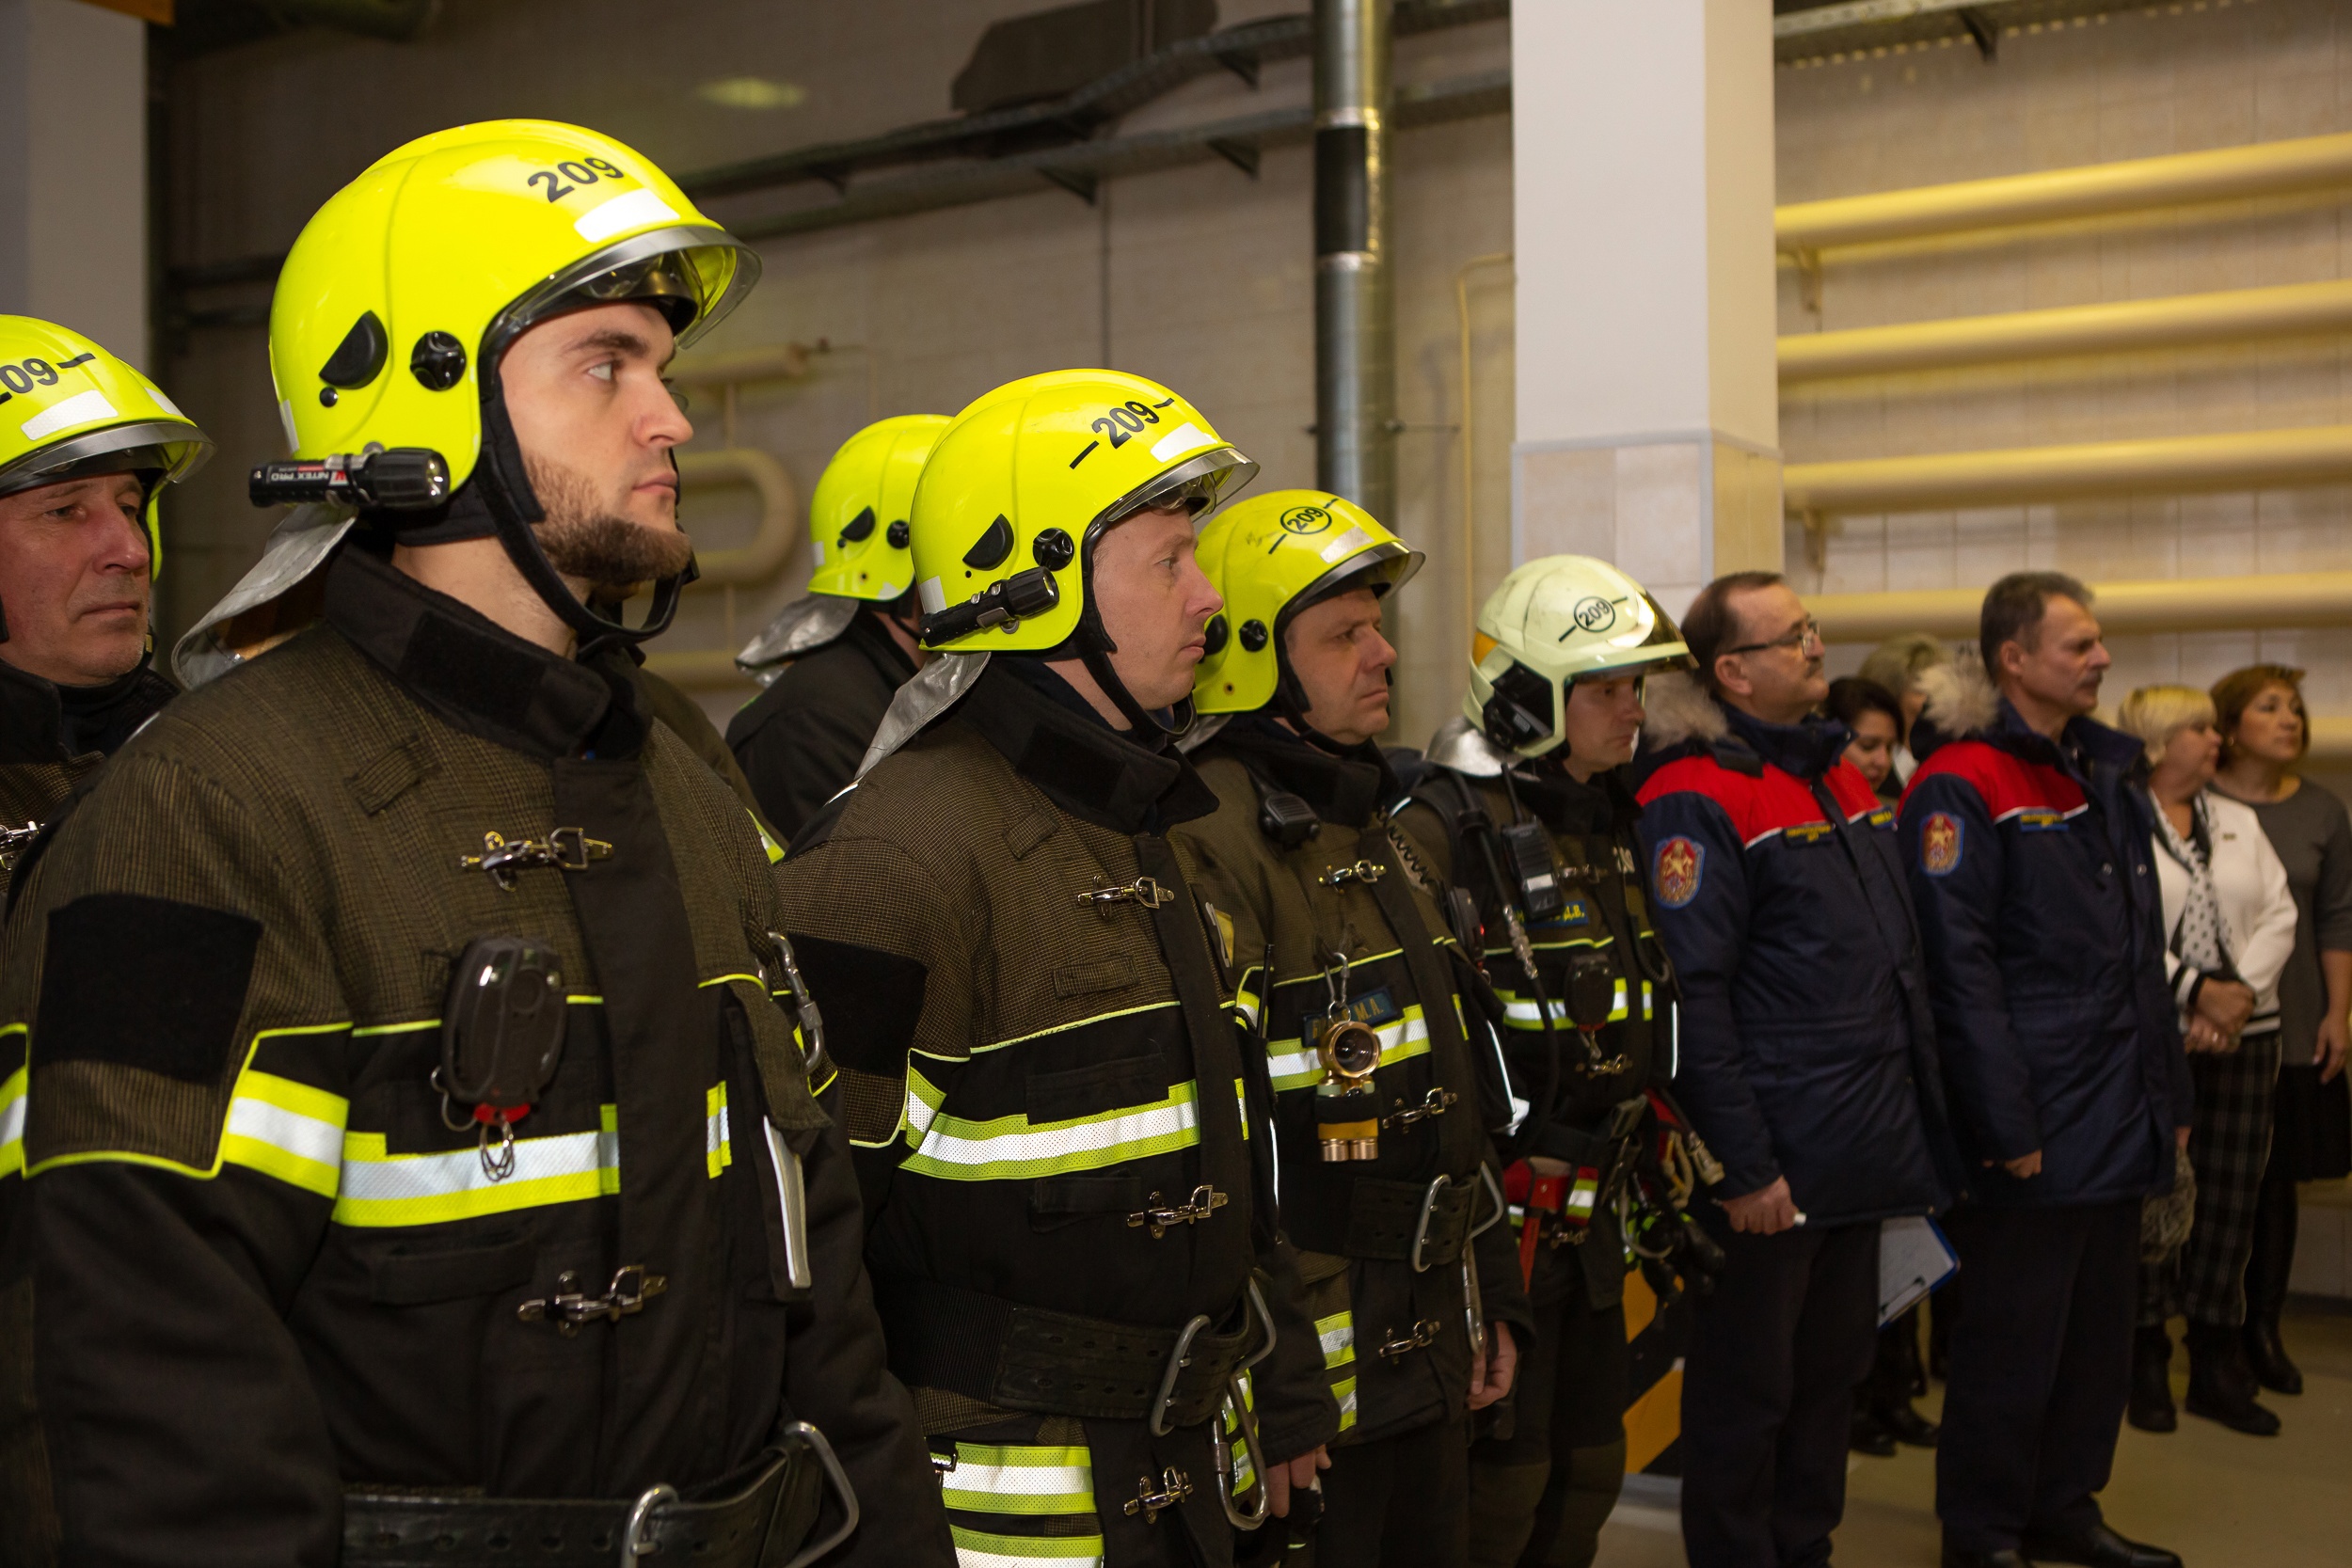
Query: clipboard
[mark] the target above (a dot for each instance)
(1914, 1261)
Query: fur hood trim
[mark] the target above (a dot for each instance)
(1677, 709)
(1961, 700)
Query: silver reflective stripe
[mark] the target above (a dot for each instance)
(1012, 1147)
(384, 1189)
(1295, 1064)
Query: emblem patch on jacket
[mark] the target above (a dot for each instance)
(1677, 870)
(1939, 843)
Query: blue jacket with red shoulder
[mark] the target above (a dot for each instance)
(1806, 1039)
(2030, 867)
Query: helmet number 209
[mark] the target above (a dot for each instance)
(1126, 420)
(22, 378)
(585, 173)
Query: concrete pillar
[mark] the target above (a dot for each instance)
(74, 171)
(1648, 402)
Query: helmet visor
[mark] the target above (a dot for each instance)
(1199, 484)
(696, 277)
(162, 447)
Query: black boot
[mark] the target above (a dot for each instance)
(2267, 1354)
(2220, 1383)
(2266, 1271)
(2151, 1408)
(1868, 1436)
(1906, 1425)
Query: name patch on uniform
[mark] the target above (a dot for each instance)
(1375, 1008)
(1805, 834)
(1675, 871)
(1939, 843)
(2041, 820)
(1882, 818)
(1574, 911)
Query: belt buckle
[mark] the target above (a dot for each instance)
(635, 1542)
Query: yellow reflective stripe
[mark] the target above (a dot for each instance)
(286, 1130)
(767, 840)
(1295, 1064)
(12, 1119)
(924, 1099)
(395, 1028)
(747, 979)
(1062, 1028)
(1245, 998)
(1012, 1147)
(1344, 1391)
(386, 1189)
(1523, 1012)
(1338, 1334)
(980, 1549)
(718, 1149)
(276, 1125)
(1018, 1478)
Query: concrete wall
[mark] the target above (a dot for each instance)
(1200, 277)
(2127, 85)
(74, 171)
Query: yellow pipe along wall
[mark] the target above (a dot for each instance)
(2181, 319)
(2053, 196)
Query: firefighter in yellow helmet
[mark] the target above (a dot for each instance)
(1526, 808)
(86, 446)
(453, 1174)
(1030, 988)
(1390, 1186)
(831, 661)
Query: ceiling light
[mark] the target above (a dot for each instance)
(751, 92)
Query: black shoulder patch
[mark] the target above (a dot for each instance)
(144, 982)
(872, 1001)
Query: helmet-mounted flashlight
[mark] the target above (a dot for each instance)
(404, 479)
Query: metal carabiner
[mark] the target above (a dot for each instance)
(633, 1541)
(1473, 1299)
(1178, 1360)
(1429, 1208)
(1246, 1423)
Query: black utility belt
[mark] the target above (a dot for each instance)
(1425, 1223)
(1031, 1358)
(762, 1516)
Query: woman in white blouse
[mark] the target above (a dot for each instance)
(2229, 920)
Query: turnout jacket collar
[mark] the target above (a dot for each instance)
(1344, 786)
(1567, 806)
(42, 721)
(1083, 765)
(468, 669)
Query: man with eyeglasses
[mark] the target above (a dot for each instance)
(1805, 1045)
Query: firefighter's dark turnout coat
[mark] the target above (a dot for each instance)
(53, 738)
(1354, 1221)
(247, 1263)
(1029, 1070)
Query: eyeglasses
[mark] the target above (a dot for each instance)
(1806, 639)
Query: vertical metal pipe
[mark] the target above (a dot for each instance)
(1355, 317)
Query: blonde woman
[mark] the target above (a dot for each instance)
(2264, 735)
(2229, 920)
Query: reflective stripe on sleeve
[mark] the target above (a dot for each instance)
(1338, 1334)
(718, 1149)
(385, 1188)
(1295, 1064)
(12, 1121)
(286, 1130)
(1012, 1147)
(1015, 1478)
(1343, 1390)
(979, 1549)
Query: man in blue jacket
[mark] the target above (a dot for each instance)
(2029, 847)
(1805, 1043)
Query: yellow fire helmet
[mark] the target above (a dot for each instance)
(403, 293)
(1271, 557)
(858, 520)
(70, 409)
(1024, 482)
(1551, 623)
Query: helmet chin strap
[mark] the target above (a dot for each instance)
(1095, 648)
(513, 506)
